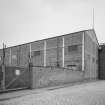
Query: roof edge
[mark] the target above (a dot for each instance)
(55, 37)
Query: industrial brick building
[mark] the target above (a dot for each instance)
(101, 72)
(62, 59)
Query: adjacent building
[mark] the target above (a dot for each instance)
(101, 71)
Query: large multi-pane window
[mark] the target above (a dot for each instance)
(73, 48)
(36, 53)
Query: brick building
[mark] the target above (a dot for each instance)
(62, 59)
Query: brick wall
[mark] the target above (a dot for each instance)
(19, 55)
(101, 73)
(45, 77)
(91, 57)
(54, 51)
(73, 50)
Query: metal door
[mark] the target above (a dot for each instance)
(16, 77)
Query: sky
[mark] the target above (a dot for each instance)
(23, 21)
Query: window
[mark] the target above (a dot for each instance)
(17, 72)
(72, 67)
(0, 58)
(72, 48)
(14, 57)
(36, 53)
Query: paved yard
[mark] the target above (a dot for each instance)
(84, 94)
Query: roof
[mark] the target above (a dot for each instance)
(58, 36)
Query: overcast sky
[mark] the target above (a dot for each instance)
(23, 21)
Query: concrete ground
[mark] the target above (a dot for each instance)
(19, 93)
(92, 93)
